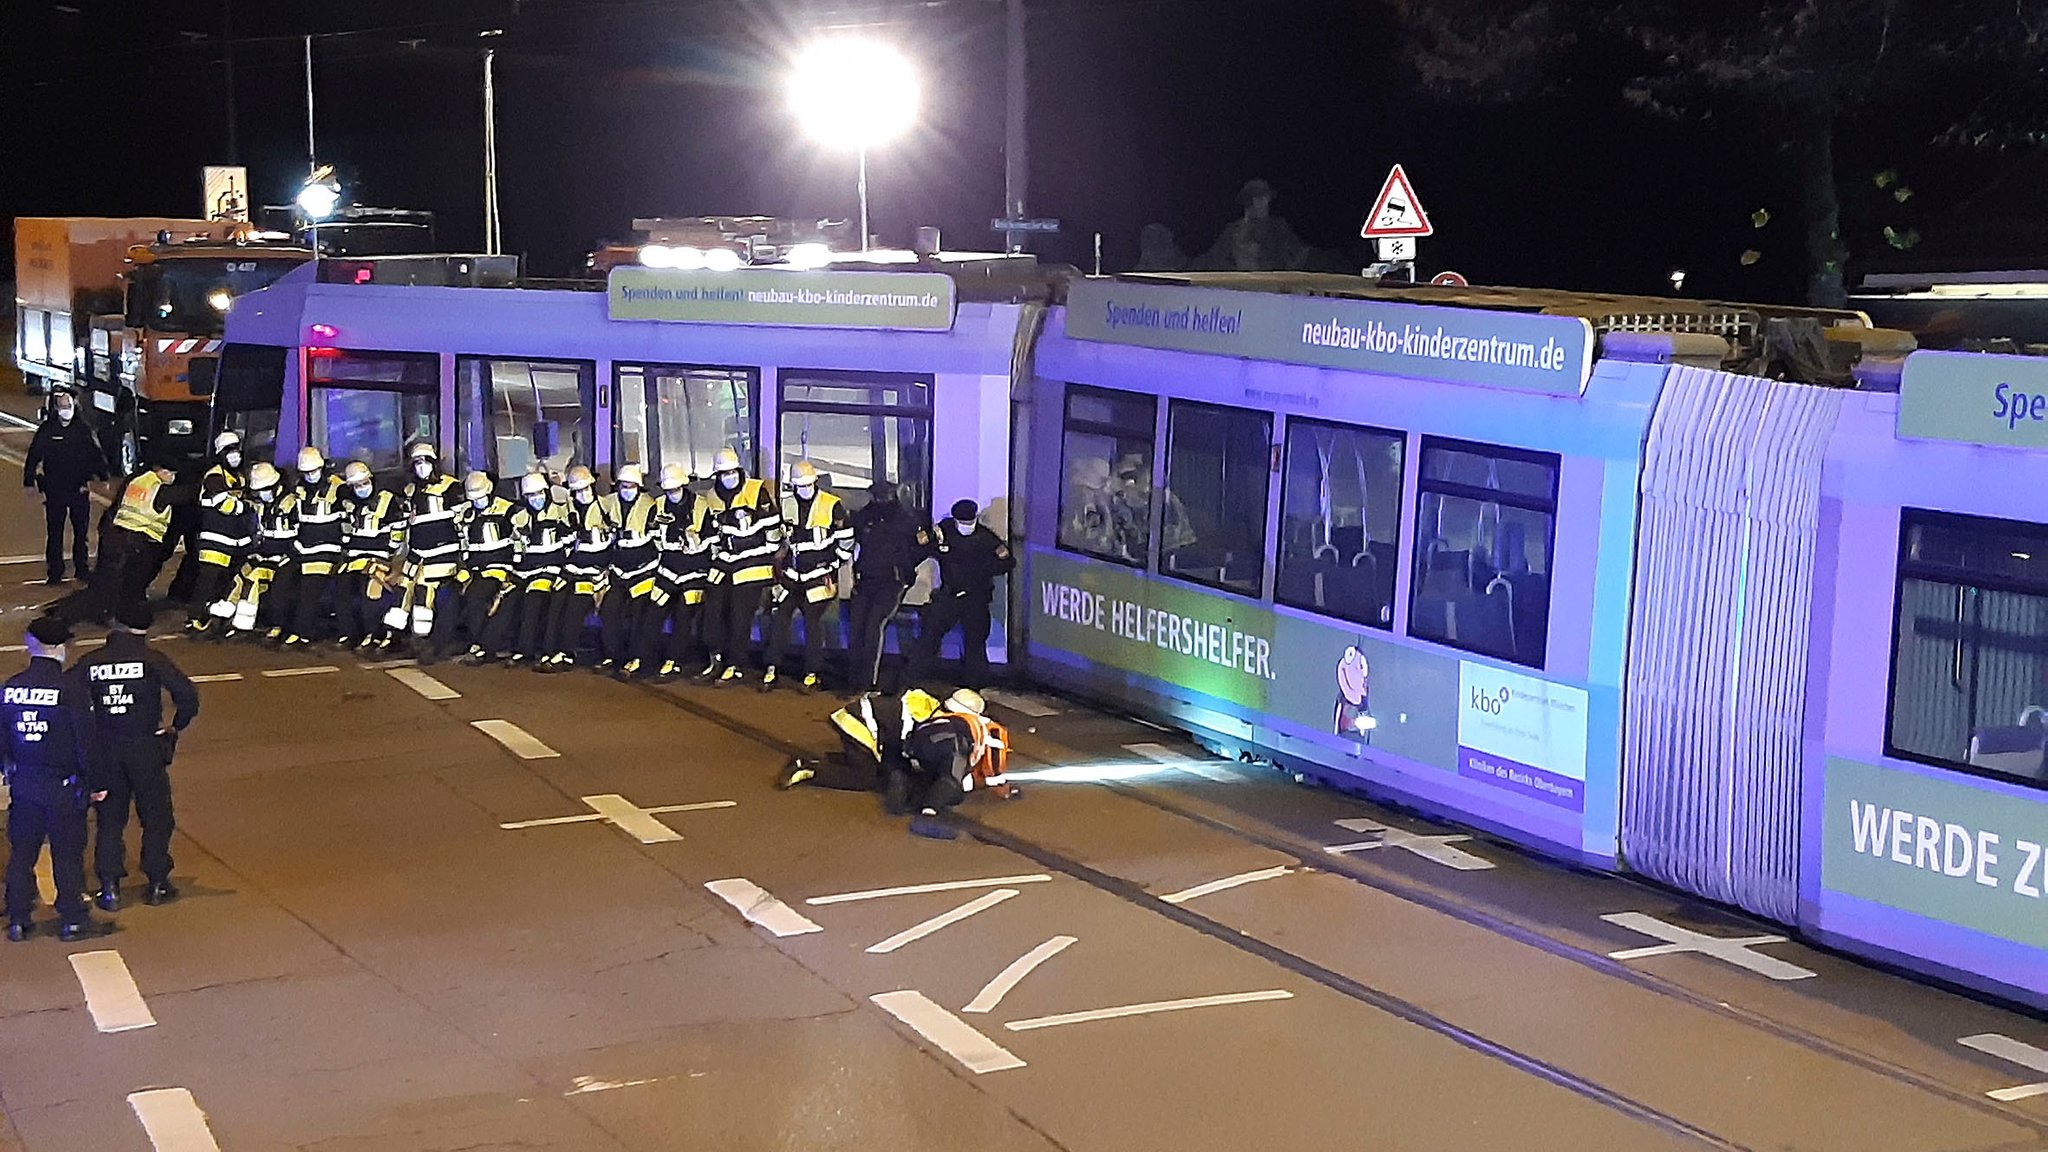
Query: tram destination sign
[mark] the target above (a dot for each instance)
(1518, 351)
(899, 301)
(1975, 398)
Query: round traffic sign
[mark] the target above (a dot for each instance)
(1449, 280)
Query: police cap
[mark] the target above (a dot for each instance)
(49, 630)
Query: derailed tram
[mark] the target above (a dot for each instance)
(1556, 566)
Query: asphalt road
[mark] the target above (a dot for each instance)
(367, 957)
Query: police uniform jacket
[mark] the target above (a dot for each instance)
(54, 751)
(127, 679)
(892, 544)
(970, 563)
(62, 458)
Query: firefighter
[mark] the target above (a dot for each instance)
(677, 601)
(62, 459)
(820, 542)
(55, 762)
(375, 532)
(433, 543)
(225, 530)
(488, 547)
(522, 626)
(249, 601)
(871, 732)
(744, 519)
(319, 504)
(635, 554)
(583, 573)
(945, 758)
(890, 543)
(128, 680)
(971, 557)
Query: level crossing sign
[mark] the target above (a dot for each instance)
(1397, 212)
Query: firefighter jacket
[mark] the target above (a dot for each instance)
(225, 525)
(54, 752)
(487, 538)
(969, 562)
(543, 540)
(594, 526)
(322, 512)
(635, 550)
(685, 551)
(881, 724)
(747, 529)
(820, 544)
(434, 546)
(376, 528)
(277, 528)
(128, 680)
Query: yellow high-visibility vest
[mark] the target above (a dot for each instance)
(138, 511)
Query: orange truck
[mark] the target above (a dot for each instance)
(128, 314)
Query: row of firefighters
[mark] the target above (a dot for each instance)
(674, 577)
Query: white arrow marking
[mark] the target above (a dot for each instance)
(1148, 1009)
(919, 931)
(992, 993)
(919, 889)
(1227, 883)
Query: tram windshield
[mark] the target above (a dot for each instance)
(368, 406)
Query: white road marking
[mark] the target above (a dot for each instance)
(1227, 883)
(954, 1036)
(515, 738)
(1018, 702)
(1433, 848)
(423, 684)
(918, 889)
(21, 559)
(754, 902)
(1160, 753)
(88, 642)
(173, 1120)
(628, 817)
(110, 992)
(992, 993)
(584, 1084)
(921, 930)
(386, 665)
(1735, 950)
(2007, 1048)
(217, 678)
(1148, 1009)
(17, 421)
(315, 670)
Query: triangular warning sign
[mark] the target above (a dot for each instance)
(1396, 212)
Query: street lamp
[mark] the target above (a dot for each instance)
(317, 199)
(850, 93)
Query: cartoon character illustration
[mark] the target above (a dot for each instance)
(1352, 718)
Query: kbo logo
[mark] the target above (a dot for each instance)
(1493, 704)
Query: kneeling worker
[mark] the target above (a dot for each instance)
(945, 758)
(128, 680)
(871, 734)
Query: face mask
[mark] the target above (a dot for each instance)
(311, 478)
(479, 502)
(267, 495)
(806, 491)
(965, 526)
(584, 495)
(629, 493)
(65, 413)
(233, 458)
(363, 491)
(537, 501)
(423, 468)
(675, 497)
(728, 480)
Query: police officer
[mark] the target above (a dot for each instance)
(592, 526)
(225, 531)
(635, 554)
(433, 543)
(319, 504)
(128, 680)
(249, 601)
(890, 543)
(62, 459)
(820, 543)
(680, 573)
(745, 521)
(56, 762)
(522, 626)
(488, 546)
(373, 532)
(871, 732)
(971, 556)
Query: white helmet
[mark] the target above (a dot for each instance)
(629, 474)
(578, 479)
(533, 484)
(673, 477)
(310, 459)
(803, 472)
(356, 473)
(422, 450)
(262, 474)
(726, 460)
(476, 486)
(965, 700)
(225, 441)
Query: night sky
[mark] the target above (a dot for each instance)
(1142, 110)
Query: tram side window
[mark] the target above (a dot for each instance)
(1106, 457)
(516, 415)
(1484, 522)
(369, 405)
(675, 415)
(861, 431)
(1970, 664)
(1340, 521)
(247, 396)
(1218, 470)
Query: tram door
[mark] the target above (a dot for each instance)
(860, 431)
(368, 406)
(514, 416)
(673, 414)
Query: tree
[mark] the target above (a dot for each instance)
(1802, 68)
